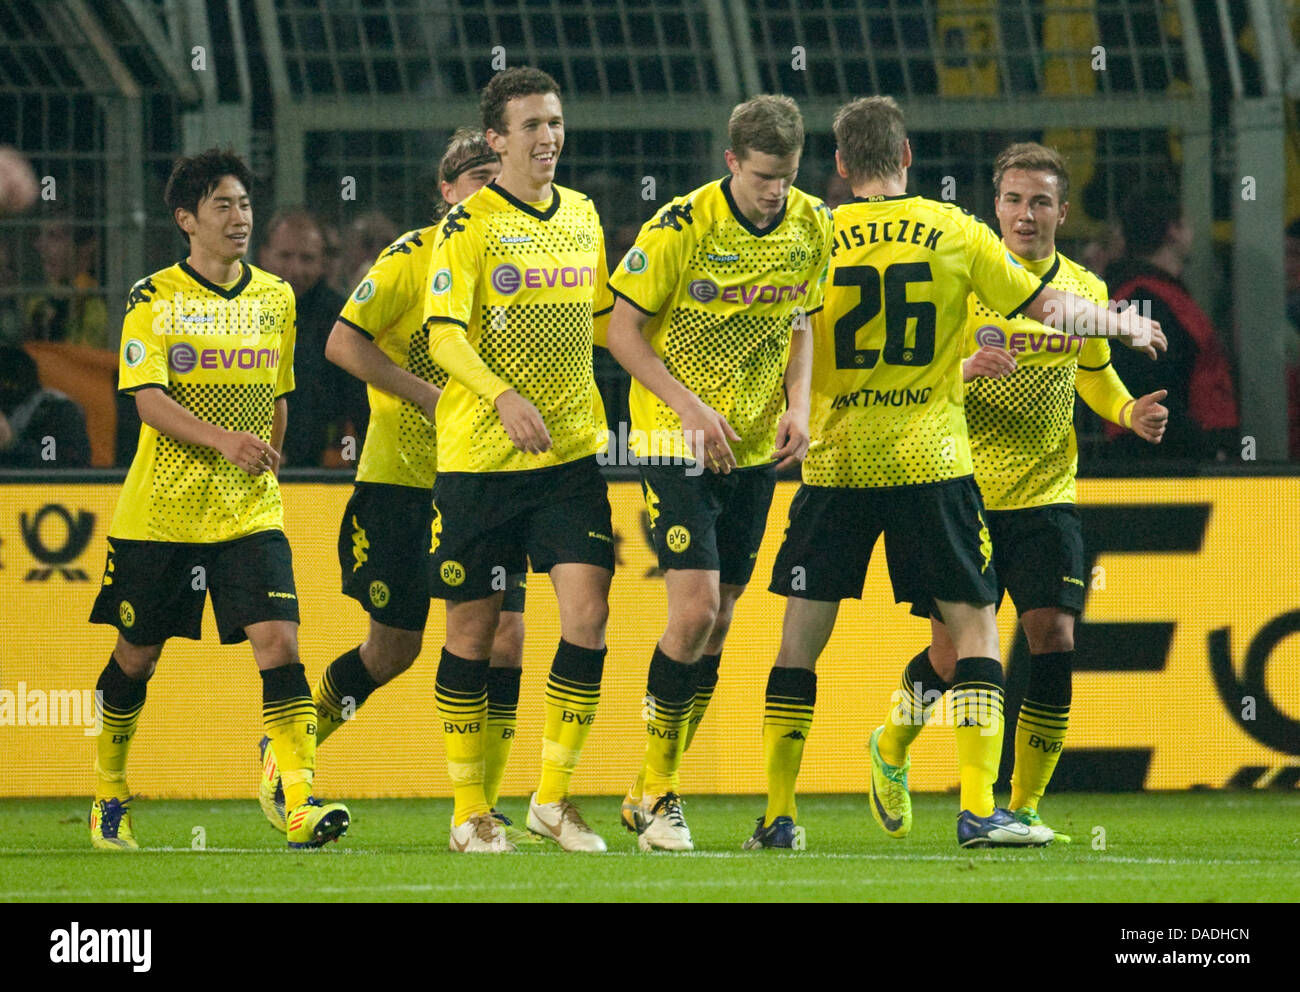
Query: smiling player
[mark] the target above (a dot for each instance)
(200, 508)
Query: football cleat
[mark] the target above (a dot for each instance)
(999, 829)
(315, 824)
(480, 834)
(110, 825)
(514, 834)
(562, 823)
(632, 815)
(891, 805)
(270, 791)
(665, 827)
(781, 834)
(1030, 818)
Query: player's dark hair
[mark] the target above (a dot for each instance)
(870, 136)
(1030, 156)
(468, 149)
(193, 179)
(1146, 215)
(508, 85)
(768, 124)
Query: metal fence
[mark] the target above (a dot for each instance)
(103, 95)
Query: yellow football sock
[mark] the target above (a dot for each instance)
(1040, 727)
(343, 687)
(706, 680)
(289, 719)
(503, 707)
(670, 696)
(572, 693)
(461, 693)
(120, 700)
(977, 723)
(921, 690)
(787, 719)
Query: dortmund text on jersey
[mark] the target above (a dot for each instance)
(888, 344)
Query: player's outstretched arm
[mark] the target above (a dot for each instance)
(242, 449)
(359, 356)
(1072, 314)
(700, 423)
(792, 434)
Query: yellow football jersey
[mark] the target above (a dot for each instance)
(1022, 425)
(888, 344)
(723, 294)
(523, 283)
(226, 355)
(388, 307)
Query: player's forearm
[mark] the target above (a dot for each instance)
(449, 348)
(630, 349)
(798, 369)
(166, 416)
(279, 424)
(359, 356)
(1105, 393)
(1070, 314)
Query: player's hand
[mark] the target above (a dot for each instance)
(249, 452)
(430, 403)
(523, 423)
(1141, 333)
(1149, 418)
(792, 438)
(707, 433)
(990, 361)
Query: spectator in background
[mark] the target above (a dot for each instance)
(1202, 403)
(39, 428)
(1098, 254)
(367, 236)
(837, 190)
(327, 404)
(17, 182)
(72, 311)
(1292, 270)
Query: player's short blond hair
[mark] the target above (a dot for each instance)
(769, 124)
(468, 149)
(1030, 156)
(870, 136)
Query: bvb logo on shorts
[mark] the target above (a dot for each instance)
(379, 594)
(678, 538)
(452, 572)
(127, 612)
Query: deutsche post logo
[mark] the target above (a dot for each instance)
(452, 572)
(75, 536)
(678, 538)
(127, 614)
(379, 594)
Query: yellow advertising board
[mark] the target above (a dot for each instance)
(1188, 672)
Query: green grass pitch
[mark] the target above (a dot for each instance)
(1195, 847)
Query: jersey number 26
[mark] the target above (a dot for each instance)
(898, 311)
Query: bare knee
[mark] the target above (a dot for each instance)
(585, 621)
(389, 651)
(1048, 630)
(137, 662)
(508, 645)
